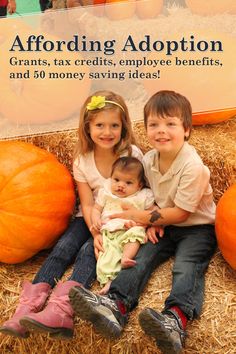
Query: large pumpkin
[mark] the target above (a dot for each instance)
(36, 200)
(226, 225)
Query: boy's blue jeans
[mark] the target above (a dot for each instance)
(192, 246)
(74, 246)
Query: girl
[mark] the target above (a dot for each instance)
(104, 135)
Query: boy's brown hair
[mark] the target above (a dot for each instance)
(169, 103)
(130, 164)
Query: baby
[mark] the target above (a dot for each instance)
(121, 238)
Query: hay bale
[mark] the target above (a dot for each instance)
(214, 332)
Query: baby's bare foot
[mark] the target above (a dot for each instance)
(105, 289)
(127, 262)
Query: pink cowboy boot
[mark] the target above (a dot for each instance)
(57, 317)
(32, 299)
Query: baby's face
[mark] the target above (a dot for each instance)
(124, 184)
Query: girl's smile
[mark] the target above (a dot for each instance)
(161, 140)
(105, 129)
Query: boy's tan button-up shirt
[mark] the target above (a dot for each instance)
(185, 185)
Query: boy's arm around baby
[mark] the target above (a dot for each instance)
(156, 217)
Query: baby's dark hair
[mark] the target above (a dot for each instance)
(130, 164)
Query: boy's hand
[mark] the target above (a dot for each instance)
(98, 244)
(152, 232)
(129, 213)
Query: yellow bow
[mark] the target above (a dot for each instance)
(96, 102)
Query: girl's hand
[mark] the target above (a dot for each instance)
(96, 226)
(152, 232)
(98, 244)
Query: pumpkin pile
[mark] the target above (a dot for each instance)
(36, 200)
(226, 225)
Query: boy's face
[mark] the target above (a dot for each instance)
(167, 134)
(124, 184)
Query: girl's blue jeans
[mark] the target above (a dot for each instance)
(192, 246)
(74, 246)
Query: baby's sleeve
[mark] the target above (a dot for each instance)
(149, 198)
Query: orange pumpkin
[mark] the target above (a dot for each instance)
(211, 7)
(36, 200)
(226, 225)
(30, 100)
(120, 9)
(148, 8)
(213, 117)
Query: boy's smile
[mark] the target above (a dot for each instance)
(166, 134)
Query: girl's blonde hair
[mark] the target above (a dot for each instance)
(85, 143)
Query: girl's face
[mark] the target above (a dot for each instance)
(166, 135)
(124, 184)
(105, 129)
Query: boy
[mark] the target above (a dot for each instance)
(180, 183)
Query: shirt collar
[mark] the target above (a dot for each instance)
(176, 165)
